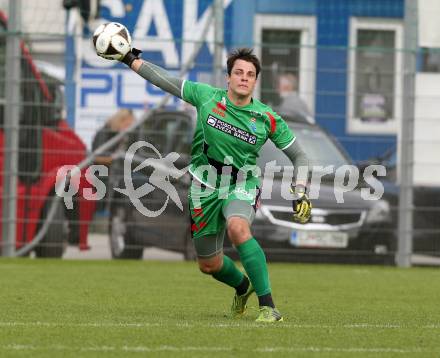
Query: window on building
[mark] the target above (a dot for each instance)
(375, 76)
(430, 60)
(280, 56)
(286, 48)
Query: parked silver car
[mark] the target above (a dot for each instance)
(352, 231)
(356, 230)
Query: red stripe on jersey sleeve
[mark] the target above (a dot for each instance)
(273, 123)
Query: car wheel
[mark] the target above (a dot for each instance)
(122, 244)
(54, 242)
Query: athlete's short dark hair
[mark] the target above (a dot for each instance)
(245, 54)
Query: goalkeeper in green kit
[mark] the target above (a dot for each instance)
(231, 129)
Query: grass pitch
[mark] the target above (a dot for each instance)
(118, 308)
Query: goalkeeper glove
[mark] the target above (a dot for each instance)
(131, 55)
(302, 207)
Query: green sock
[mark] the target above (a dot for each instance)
(254, 262)
(229, 273)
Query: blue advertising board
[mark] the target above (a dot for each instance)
(166, 31)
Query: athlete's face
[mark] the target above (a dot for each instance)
(243, 78)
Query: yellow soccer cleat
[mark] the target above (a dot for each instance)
(238, 307)
(269, 315)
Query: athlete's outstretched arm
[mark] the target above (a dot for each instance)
(152, 73)
(158, 76)
(299, 160)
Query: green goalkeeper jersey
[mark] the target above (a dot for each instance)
(230, 134)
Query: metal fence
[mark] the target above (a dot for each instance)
(352, 80)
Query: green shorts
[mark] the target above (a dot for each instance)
(211, 208)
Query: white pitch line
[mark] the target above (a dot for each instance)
(339, 350)
(213, 325)
(20, 347)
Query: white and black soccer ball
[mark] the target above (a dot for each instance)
(112, 41)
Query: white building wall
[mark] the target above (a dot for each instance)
(427, 130)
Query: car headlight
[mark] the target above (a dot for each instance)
(380, 212)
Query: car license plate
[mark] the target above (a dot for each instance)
(329, 239)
